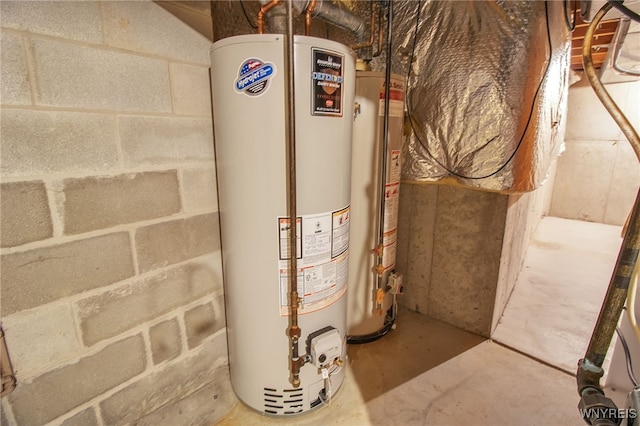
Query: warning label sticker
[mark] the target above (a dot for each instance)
(326, 82)
(396, 99)
(318, 285)
(323, 242)
(284, 230)
(340, 232)
(391, 204)
(395, 169)
(316, 239)
(389, 252)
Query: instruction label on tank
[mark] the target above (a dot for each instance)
(340, 242)
(323, 259)
(254, 76)
(391, 206)
(396, 99)
(326, 82)
(389, 241)
(394, 169)
(318, 286)
(284, 230)
(316, 239)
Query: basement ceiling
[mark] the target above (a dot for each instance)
(601, 41)
(197, 14)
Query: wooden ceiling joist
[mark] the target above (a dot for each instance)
(599, 45)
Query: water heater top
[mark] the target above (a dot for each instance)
(271, 38)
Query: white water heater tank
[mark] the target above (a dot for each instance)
(248, 85)
(368, 306)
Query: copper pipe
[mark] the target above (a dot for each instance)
(263, 11)
(307, 17)
(380, 33)
(372, 25)
(379, 268)
(294, 331)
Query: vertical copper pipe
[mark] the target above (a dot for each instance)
(294, 331)
(380, 34)
(263, 11)
(379, 268)
(372, 25)
(307, 17)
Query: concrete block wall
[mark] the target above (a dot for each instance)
(524, 212)
(461, 250)
(450, 244)
(112, 298)
(598, 175)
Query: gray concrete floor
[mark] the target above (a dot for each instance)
(428, 373)
(557, 298)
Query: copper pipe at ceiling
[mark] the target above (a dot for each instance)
(380, 33)
(372, 25)
(307, 17)
(263, 11)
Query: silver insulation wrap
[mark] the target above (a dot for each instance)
(487, 91)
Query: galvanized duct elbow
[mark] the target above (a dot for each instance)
(325, 10)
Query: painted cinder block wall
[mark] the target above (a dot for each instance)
(598, 174)
(112, 298)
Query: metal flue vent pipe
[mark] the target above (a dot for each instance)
(276, 17)
(325, 10)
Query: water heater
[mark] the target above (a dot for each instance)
(248, 85)
(367, 303)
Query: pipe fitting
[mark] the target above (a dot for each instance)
(263, 11)
(588, 376)
(598, 410)
(294, 332)
(372, 25)
(339, 17)
(307, 17)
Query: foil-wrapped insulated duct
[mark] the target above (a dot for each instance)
(487, 93)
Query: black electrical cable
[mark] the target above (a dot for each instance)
(627, 355)
(389, 321)
(624, 9)
(415, 38)
(246, 15)
(524, 132)
(570, 9)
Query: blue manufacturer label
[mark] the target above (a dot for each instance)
(321, 76)
(254, 76)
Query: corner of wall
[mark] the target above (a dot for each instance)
(111, 271)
